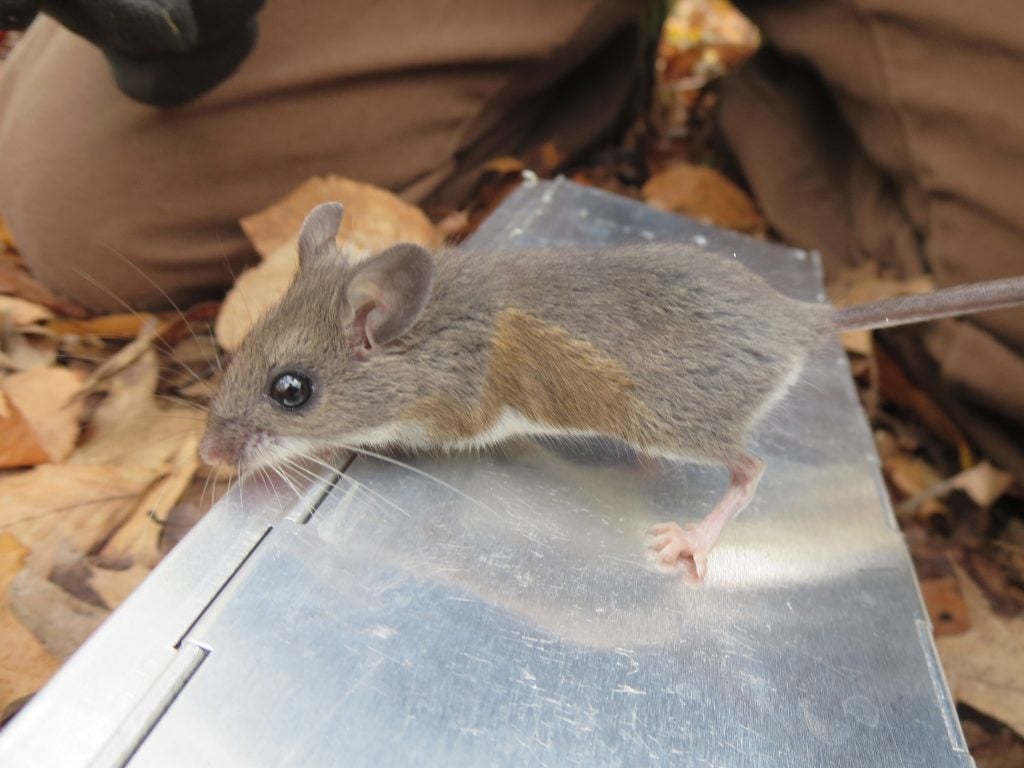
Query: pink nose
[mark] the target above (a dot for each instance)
(216, 452)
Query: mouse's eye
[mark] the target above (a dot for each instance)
(291, 389)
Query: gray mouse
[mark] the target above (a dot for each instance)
(675, 351)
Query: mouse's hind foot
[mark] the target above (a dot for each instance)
(674, 546)
(687, 547)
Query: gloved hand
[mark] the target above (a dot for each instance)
(162, 52)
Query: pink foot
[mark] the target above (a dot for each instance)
(686, 547)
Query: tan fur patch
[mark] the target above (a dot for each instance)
(551, 378)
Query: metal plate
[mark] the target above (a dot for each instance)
(498, 609)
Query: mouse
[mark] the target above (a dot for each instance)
(676, 351)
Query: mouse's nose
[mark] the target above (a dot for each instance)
(219, 447)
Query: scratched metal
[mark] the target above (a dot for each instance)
(100, 701)
(503, 613)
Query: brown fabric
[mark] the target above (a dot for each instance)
(894, 131)
(409, 96)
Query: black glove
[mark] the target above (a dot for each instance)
(162, 52)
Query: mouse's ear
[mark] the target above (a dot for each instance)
(387, 293)
(318, 232)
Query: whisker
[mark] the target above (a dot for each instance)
(234, 282)
(100, 359)
(420, 472)
(273, 486)
(184, 402)
(349, 478)
(299, 496)
(123, 303)
(163, 293)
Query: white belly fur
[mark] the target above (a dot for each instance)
(509, 424)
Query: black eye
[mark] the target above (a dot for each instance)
(291, 389)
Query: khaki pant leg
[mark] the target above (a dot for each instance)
(409, 96)
(894, 131)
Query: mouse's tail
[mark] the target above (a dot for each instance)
(948, 302)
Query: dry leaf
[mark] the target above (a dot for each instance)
(504, 164)
(946, 605)
(130, 428)
(896, 388)
(983, 483)
(255, 291)
(115, 586)
(121, 326)
(704, 194)
(37, 421)
(60, 622)
(15, 281)
(19, 446)
(6, 238)
(374, 219)
(72, 572)
(139, 537)
(858, 342)
(985, 665)
(22, 352)
(24, 664)
(910, 474)
(19, 312)
(863, 284)
(123, 359)
(55, 505)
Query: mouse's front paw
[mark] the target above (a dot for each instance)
(674, 545)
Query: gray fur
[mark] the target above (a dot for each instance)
(708, 343)
(319, 230)
(387, 293)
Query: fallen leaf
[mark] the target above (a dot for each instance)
(181, 519)
(706, 195)
(910, 474)
(115, 586)
(118, 326)
(374, 219)
(24, 664)
(453, 227)
(6, 238)
(139, 537)
(863, 284)
(53, 505)
(124, 358)
(23, 352)
(19, 446)
(896, 388)
(1005, 594)
(60, 622)
(130, 428)
(72, 572)
(858, 342)
(946, 606)
(504, 164)
(38, 422)
(985, 665)
(19, 312)
(991, 744)
(691, 23)
(983, 483)
(16, 281)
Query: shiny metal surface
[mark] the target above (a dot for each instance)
(106, 694)
(500, 612)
